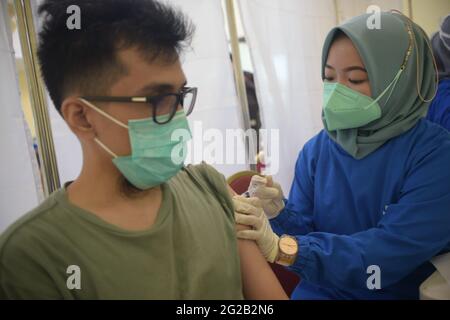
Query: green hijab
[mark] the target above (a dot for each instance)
(382, 52)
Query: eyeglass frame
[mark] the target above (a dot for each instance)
(153, 101)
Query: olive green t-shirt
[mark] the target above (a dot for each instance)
(60, 251)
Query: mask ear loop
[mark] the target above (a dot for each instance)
(103, 113)
(405, 61)
(413, 42)
(108, 150)
(101, 144)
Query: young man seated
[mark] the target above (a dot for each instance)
(136, 223)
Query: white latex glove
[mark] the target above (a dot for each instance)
(269, 193)
(248, 211)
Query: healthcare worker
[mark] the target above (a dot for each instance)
(369, 205)
(439, 111)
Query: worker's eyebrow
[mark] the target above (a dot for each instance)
(355, 68)
(351, 68)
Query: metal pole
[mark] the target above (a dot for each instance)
(410, 9)
(46, 149)
(239, 74)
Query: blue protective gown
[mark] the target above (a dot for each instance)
(390, 210)
(439, 111)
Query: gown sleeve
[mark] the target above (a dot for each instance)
(297, 215)
(412, 230)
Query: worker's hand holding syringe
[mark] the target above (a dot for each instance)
(262, 201)
(269, 192)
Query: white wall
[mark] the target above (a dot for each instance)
(20, 188)
(285, 39)
(430, 14)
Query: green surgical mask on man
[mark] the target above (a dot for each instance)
(157, 155)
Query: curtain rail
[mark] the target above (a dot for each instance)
(239, 75)
(46, 149)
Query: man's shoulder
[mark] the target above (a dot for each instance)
(206, 180)
(203, 175)
(24, 264)
(23, 230)
(204, 169)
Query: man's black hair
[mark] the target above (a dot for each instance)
(86, 60)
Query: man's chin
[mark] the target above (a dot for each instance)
(128, 189)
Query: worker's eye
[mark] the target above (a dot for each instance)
(357, 81)
(328, 79)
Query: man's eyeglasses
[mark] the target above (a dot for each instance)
(164, 104)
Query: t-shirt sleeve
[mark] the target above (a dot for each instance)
(215, 183)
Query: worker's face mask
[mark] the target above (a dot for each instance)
(155, 155)
(345, 108)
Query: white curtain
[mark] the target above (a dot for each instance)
(208, 67)
(20, 188)
(285, 39)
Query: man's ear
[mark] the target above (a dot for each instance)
(76, 114)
